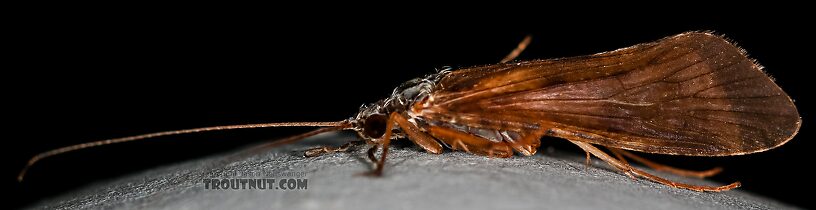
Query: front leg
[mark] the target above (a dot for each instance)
(385, 141)
(413, 133)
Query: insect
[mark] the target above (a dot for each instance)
(692, 94)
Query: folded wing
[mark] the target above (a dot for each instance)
(690, 94)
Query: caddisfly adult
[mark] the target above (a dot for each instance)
(692, 94)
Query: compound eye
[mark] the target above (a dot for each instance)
(374, 125)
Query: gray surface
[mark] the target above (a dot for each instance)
(413, 180)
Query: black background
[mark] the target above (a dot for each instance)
(78, 77)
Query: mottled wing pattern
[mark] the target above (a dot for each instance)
(690, 94)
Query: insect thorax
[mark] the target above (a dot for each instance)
(370, 121)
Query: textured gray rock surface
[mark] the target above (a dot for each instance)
(413, 180)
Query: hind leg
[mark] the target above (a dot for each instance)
(626, 168)
(660, 167)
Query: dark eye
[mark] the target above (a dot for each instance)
(374, 125)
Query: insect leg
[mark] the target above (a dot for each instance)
(472, 144)
(617, 155)
(661, 167)
(413, 133)
(371, 152)
(520, 48)
(318, 151)
(419, 138)
(629, 169)
(621, 159)
(384, 141)
(528, 143)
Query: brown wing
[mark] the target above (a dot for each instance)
(690, 94)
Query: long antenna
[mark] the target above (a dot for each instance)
(339, 125)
